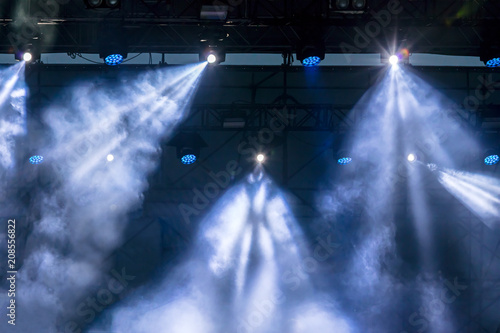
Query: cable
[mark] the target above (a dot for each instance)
(80, 55)
(132, 58)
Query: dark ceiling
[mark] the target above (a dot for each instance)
(453, 27)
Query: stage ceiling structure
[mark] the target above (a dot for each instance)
(254, 26)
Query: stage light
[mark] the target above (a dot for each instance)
(342, 4)
(113, 3)
(311, 55)
(490, 54)
(110, 157)
(344, 160)
(412, 158)
(311, 61)
(260, 158)
(112, 44)
(213, 55)
(113, 59)
(188, 147)
(494, 62)
(393, 60)
(491, 160)
(27, 56)
(102, 4)
(212, 58)
(36, 159)
(358, 4)
(188, 158)
(28, 52)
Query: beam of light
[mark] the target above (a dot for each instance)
(481, 194)
(85, 210)
(402, 113)
(12, 112)
(241, 275)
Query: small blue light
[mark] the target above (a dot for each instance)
(495, 62)
(491, 160)
(113, 59)
(344, 160)
(311, 61)
(188, 159)
(36, 159)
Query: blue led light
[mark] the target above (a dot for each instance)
(495, 62)
(344, 160)
(188, 159)
(113, 59)
(491, 160)
(311, 61)
(36, 159)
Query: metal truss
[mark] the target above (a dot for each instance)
(447, 27)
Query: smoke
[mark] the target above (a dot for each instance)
(380, 201)
(78, 215)
(13, 112)
(247, 272)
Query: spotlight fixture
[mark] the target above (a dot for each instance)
(188, 146)
(36, 159)
(491, 159)
(110, 157)
(393, 60)
(260, 158)
(112, 45)
(490, 55)
(213, 55)
(342, 156)
(344, 160)
(27, 53)
(342, 4)
(102, 4)
(412, 158)
(311, 55)
(348, 6)
(188, 155)
(358, 4)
